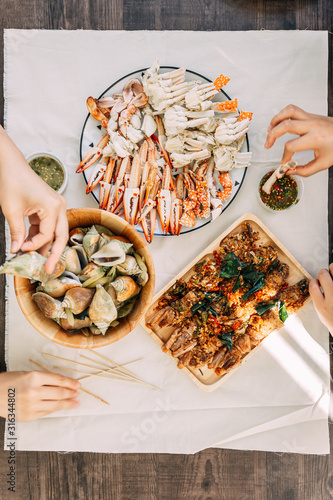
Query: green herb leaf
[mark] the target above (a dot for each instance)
(283, 314)
(231, 266)
(226, 338)
(257, 286)
(272, 266)
(265, 306)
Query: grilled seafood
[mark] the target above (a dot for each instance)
(137, 170)
(230, 303)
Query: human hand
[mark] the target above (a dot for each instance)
(37, 394)
(315, 133)
(321, 291)
(24, 194)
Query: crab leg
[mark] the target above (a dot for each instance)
(131, 193)
(162, 139)
(164, 200)
(104, 193)
(277, 174)
(153, 169)
(151, 202)
(120, 178)
(93, 154)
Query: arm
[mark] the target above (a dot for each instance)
(24, 194)
(315, 132)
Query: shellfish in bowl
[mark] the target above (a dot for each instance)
(102, 286)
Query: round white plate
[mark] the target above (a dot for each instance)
(92, 133)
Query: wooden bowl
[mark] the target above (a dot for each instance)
(50, 329)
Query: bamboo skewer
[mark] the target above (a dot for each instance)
(97, 374)
(124, 369)
(80, 388)
(83, 364)
(122, 372)
(109, 369)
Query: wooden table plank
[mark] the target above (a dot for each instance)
(210, 474)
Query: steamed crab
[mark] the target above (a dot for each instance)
(167, 149)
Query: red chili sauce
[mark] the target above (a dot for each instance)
(283, 194)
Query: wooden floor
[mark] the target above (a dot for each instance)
(211, 474)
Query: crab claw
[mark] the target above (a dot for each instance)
(175, 214)
(131, 203)
(164, 208)
(104, 194)
(96, 176)
(96, 112)
(93, 154)
(148, 225)
(145, 211)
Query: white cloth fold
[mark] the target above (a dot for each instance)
(278, 400)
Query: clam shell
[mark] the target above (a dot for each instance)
(129, 267)
(50, 307)
(125, 287)
(59, 286)
(90, 270)
(78, 299)
(83, 257)
(31, 265)
(72, 261)
(90, 241)
(111, 254)
(77, 325)
(76, 235)
(102, 310)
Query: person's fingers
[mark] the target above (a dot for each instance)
(46, 407)
(310, 168)
(295, 145)
(289, 112)
(52, 379)
(315, 292)
(330, 268)
(326, 283)
(17, 231)
(297, 127)
(46, 231)
(51, 393)
(60, 240)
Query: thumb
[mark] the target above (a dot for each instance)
(17, 232)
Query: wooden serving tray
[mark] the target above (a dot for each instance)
(204, 377)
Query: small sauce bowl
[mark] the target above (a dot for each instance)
(300, 190)
(51, 169)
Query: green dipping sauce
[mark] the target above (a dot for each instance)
(49, 170)
(283, 194)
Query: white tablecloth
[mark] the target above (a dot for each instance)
(279, 400)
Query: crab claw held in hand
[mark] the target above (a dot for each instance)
(277, 174)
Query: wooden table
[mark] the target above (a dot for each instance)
(210, 474)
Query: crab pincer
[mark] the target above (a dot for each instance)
(93, 154)
(132, 191)
(164, 200)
